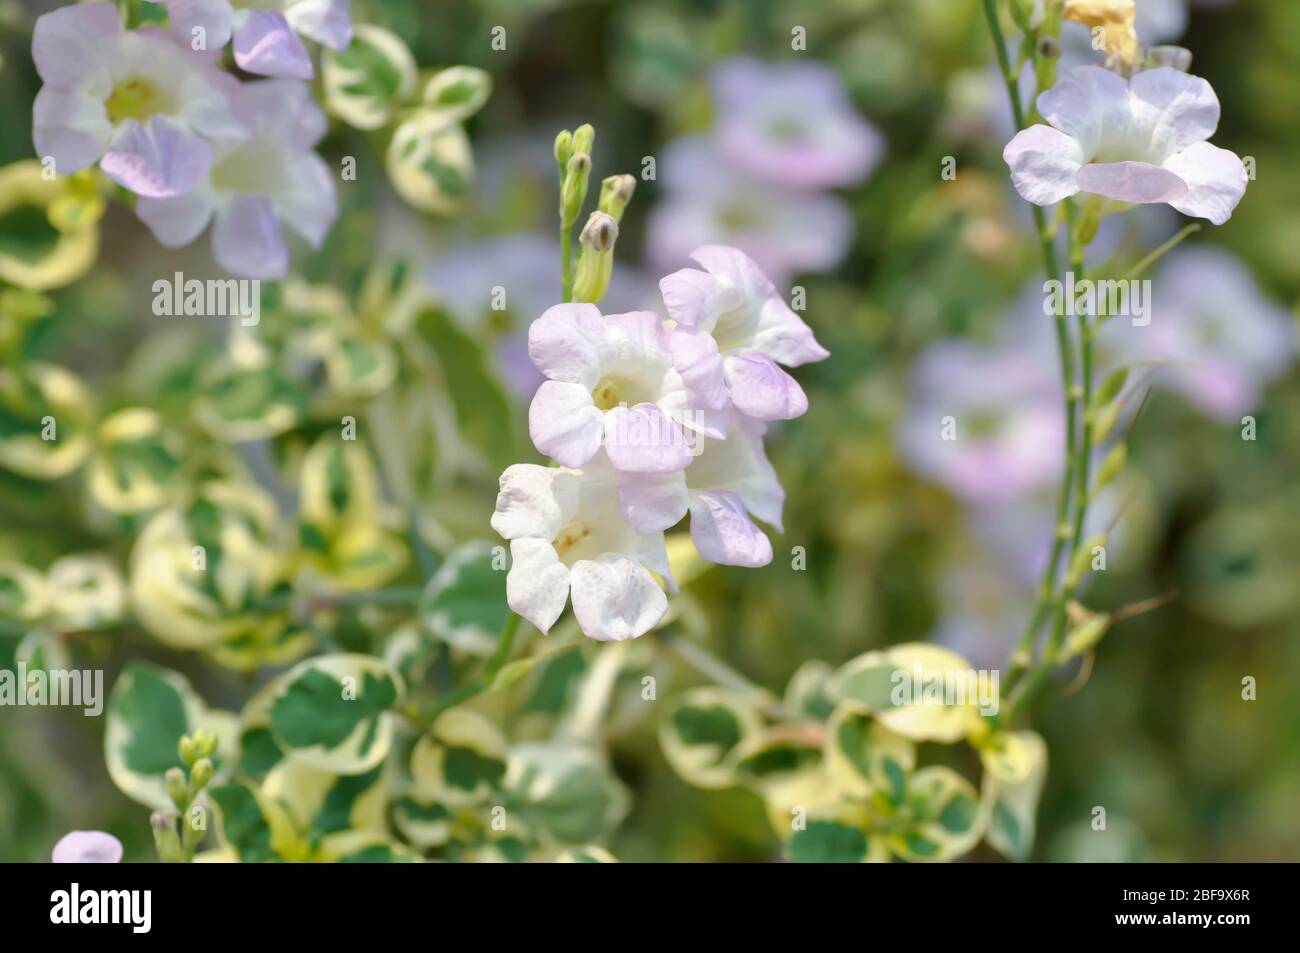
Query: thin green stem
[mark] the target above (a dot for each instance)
(481, 683)
(1137, 270)
(566, 261)
(716, 670)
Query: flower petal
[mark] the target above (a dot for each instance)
(564, 423)
(565, 343)
(783, 336)
(265, 44)
(214, 17)
(537, 586)
(178, 219)
(325, 21)
(1216, 181)
(1086, 104)
(694, 298)
(70, 43)
(1139, 182)
(87, 847)
(644, 439)
(309, 206)
(158, 159)
(533, 501)
(246, 239)
(615, 598)
(695, 357)
(71, 128)
(760, 389)
(739, 274)
(723, 532)
(1180, 110)
(1044, 163)
(652, 502)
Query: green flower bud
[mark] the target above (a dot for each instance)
(205, 743)
(165, 839)
(188, 750)
(200, 774)
(177, 789)
(596, 263)
(573, 193)
(584, 137)
(615, 192)
(563, 149)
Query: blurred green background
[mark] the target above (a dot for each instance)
(1159, 735)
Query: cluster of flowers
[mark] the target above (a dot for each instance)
(160, 117)
(784, 134)
(649, 420)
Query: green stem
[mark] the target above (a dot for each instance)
(566, 258)
(481, 683)
(1160, 252)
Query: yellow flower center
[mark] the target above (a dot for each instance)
(135, 98)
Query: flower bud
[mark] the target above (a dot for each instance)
(200, 774)
(165, 838)
(596, 263)
(584, 138)
(205, 743)
(615, 192)
(563, 149)
(573, 193)
(187, 749)
(177, 789)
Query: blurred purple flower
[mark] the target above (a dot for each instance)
(707, 201)
(792, 124)
(1006, 432)
(1224, 340)
(87, 847)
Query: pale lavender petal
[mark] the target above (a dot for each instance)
(615, 598)
(1139, 182)
(533, 501)
(72, 42)
(723, 532)
(760, 389)
(309, 206)
(644, 439)
(1216, 181)
(179, 219)
(537, 586)
(71, 128)
(693, 298)
(158, 159)
(1086, 104)
(1180, 110)
(87, 847)
(246, 239)
(265, 44)
(783, 336)
(565, 343)
(214, 17)
(325, 21)
(564, 423)
(1044, 163)
(739, 274)
(696, 358)
(286, 108)
(652, 502)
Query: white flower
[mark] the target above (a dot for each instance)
(87, 847)
(143, 106)
(1128, 141)
(254, 187)
(733, 329)
(611, 383)
(567, 537)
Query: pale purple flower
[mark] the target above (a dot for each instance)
(1128, 141)
(986, 422)
(1218, 339)
(147, 109)
(568, 539)
(266, 33)
(87, 847)
(733, 331)
(791, 124)
(611, 383)
(255, 188)
(707, 200)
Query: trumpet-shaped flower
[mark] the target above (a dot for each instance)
(147, 109)
(266, 33)
(567, 539)
(1128, 142)
(255, 187)
(87, 847)
(792, 124)
(611, 382)
(733, 330)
